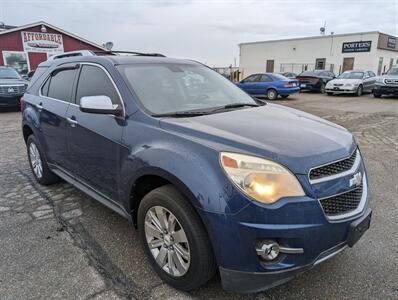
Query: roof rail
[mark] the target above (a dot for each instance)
(72, 54)
(99, 52)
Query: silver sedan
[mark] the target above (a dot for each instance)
(352, 82)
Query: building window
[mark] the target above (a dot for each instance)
(380, 65)
(17, 60)
(320, 63)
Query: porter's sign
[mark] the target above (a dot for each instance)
(362, 46)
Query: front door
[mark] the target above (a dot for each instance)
(94, 139)
(270, 66)
(348, 63)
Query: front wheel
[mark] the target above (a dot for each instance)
(359, 91)
(272, 94)
(174, 239)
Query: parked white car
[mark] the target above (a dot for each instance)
(352, 82)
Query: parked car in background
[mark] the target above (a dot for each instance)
(12, 87)
(352, 82)
(270, 85)
(314, 80)
(213, 179)
(289, 75)
(387, 84)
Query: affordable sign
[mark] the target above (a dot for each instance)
(42, 42)
(362, 46)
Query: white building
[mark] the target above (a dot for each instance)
(339, 52)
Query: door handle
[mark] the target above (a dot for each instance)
(72, 121)
(39, 106)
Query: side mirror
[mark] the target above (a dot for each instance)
(99, 105)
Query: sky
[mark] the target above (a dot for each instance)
(203, 30)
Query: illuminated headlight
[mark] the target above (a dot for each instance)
(262, 180)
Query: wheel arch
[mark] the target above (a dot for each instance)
(150, 179)
(26, 131)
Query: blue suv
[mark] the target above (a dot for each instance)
(213, 180)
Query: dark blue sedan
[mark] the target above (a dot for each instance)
(270, 85)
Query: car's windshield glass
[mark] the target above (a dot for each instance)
(8, 73)
(393, 71)
(280, 76)
(172, 88)
(351, 75)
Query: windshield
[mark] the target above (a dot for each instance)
(393, 71)
(8, 73)
(351, 75)
(172, 88)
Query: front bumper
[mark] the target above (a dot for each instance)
(10, 101)
(385, 90)
(252, 282)
(341, 90)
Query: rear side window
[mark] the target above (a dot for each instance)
(60, 85)
(93, 81)
(265, 78)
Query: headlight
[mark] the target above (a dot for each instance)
(380, 80)
(348, 84)
(263, 180)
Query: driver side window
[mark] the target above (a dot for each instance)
(93, 81)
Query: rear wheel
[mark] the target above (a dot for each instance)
(359, 91)
(38, 164)
(174, 239)
(272, 94)
(323, 88)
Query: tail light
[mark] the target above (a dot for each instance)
(291, 84)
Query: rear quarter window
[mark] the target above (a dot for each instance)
(61, 84)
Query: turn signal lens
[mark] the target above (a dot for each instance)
(263, 180)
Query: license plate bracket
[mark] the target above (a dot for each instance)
(358, 228)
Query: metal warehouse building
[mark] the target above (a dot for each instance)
(25, 47)
(337, 53)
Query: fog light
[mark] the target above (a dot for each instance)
(269, 250)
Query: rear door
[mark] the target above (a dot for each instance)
(55, 97)
(369, 81)
(94, 140)
(265, 82)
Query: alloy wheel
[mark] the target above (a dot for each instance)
(167, 241)
(35, 160)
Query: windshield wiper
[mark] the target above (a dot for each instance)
(234, 105)
(182, 114)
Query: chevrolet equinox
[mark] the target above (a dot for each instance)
(213, 179)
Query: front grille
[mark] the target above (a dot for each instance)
(343, 203)
(391, 81)
(11, 90)
(333, 168)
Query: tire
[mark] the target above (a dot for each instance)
(376, 95)
(359, 91)
(323, 88)
(330, 93)
(272, 94)
(284, 96)
(200, 265)
(38, 164)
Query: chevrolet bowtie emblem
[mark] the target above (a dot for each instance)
(356, 179)
(11, 90)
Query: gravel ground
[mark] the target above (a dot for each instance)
(58, 243)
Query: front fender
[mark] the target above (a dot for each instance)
(191, 166)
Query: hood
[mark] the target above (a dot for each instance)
(344, 81)
(293, 138)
